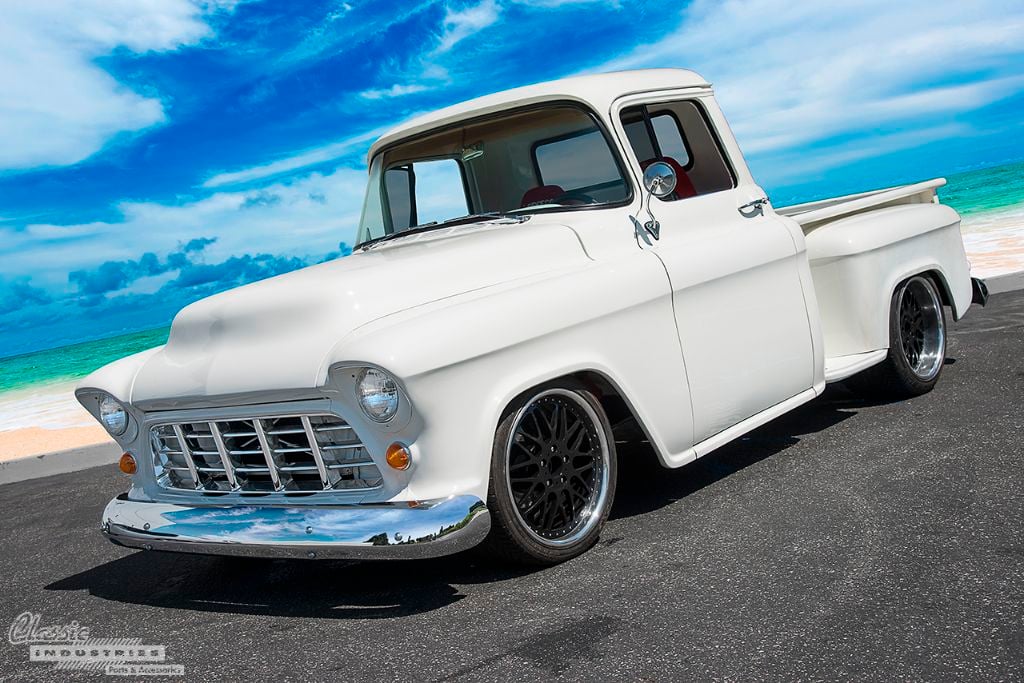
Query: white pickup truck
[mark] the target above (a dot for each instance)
(535, 269)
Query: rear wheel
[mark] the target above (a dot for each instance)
(553, 476)
(917, 344)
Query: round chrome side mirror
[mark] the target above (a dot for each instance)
(660, 179)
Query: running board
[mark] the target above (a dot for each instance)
(841, 367)
(738, 430)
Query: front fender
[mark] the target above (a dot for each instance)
(463, 360)
(116, 379)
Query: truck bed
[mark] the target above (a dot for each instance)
(859, 247)
(812, 215)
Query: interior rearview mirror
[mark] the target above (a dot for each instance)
(660, 179)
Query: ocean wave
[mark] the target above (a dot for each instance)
(996, 219)
(50, 406)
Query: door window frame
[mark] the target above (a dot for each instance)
(653, 100)
(652, 134)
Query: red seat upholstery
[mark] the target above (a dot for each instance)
(542, 194)
(684, 186)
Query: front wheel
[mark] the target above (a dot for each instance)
(917, 344)
(553, 473)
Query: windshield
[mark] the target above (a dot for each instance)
(554, 158)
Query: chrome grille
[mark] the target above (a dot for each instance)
(289, 454)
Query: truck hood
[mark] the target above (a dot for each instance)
(277, 334)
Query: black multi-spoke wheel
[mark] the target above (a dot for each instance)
(552, 476)
(556, 465)
(917, 343)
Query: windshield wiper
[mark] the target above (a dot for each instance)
(426, 227)
(411, 231)
(490, 214)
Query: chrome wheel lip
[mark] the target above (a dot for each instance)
(590, 517)
(932, 353)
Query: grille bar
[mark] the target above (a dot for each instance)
(186, 453)
(315, 448)
(225, 457)
(268, 454)
(283, 454)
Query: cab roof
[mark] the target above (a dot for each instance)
(598, 90)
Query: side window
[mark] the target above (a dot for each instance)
(679, 134)
(425, 191)
(581, 163)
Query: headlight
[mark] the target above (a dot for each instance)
(113, 416)
(378, 394)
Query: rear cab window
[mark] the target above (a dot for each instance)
(580, 163)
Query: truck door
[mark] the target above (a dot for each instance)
(734, 271)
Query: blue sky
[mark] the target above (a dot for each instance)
(155, 152)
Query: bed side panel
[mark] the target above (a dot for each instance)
(857, 262)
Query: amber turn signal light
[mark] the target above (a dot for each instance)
(398, 456)
(127, 464)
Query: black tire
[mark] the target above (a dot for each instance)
(534, 522)
(917, 344)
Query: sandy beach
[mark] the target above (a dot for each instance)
(20, 443)
(995, 244)
(45, 419)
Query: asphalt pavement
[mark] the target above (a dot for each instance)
(846, 540)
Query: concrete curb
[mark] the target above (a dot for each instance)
(61, 462)
(1005, 283)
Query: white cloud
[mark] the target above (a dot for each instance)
(341, 31)
(396, 90)
(797, 167)
(813, 120)
(58, 106)
(795, 73)
(306, 217)
(325, 153)
(425, 70)
(615, 4)
(461, 24)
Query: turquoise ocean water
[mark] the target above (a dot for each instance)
(69, 363)
(988, 190)
(972, 193)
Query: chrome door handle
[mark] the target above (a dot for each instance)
(754, 208)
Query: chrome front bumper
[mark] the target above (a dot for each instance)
(375, 531)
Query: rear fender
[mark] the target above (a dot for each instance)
(857, 263)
